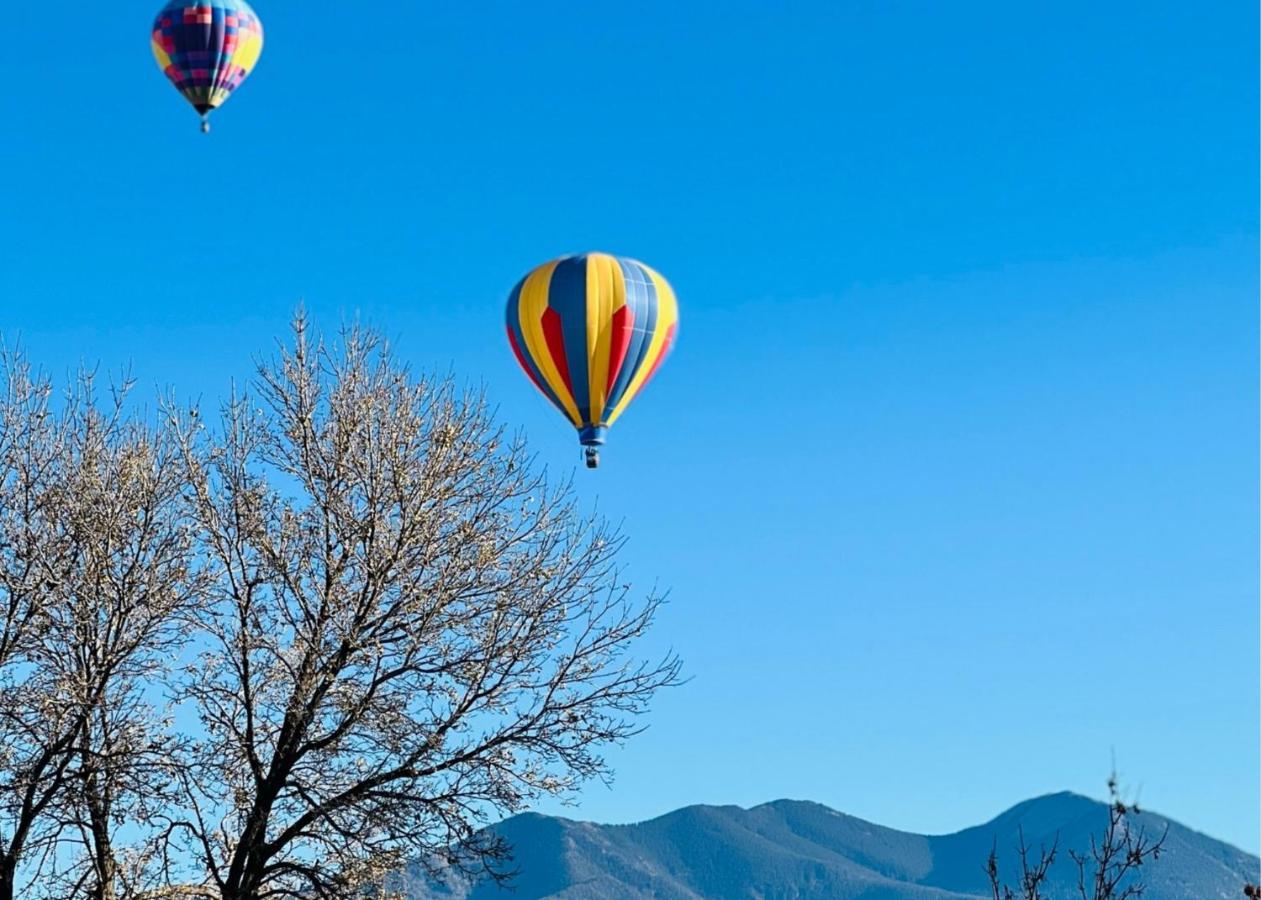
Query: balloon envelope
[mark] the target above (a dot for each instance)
(207, 49)
(590, 331)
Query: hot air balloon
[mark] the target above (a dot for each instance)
(590, 331)
(207, 49)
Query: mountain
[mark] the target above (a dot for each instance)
(791, 850)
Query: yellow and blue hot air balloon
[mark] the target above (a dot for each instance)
(207, 49)
(590, 331)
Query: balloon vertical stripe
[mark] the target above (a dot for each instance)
(553, 333)
(590, 331)
(619, 341)
(642, 301)
(659, 337)
(525, 363)
(527, 314)
(517, 340)
(605, 285)
(567, 298)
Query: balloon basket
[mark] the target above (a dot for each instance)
(593, 458)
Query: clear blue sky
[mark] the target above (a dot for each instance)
(954, 473)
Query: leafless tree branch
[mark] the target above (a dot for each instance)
(412, 632)
(1111, 870)
(96, 581)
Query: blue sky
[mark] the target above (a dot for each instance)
(954, 473)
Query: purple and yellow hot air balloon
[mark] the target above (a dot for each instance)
(590, 331)
(207, 49)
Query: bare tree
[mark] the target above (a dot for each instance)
(30, 563)
(101, 519)
(125, 609)
(412, 632)
(1033, 874)
(1111, 870)
(27, 449)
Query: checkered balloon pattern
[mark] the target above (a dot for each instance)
(207, 48)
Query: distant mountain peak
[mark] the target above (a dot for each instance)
(802, 850)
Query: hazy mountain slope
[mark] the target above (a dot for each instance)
(1192, 866)
(792, 850)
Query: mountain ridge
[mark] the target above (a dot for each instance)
(798, 849)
